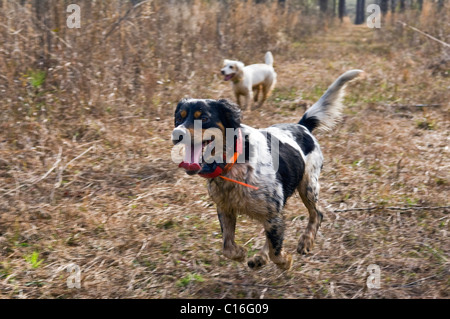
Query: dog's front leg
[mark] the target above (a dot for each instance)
(249, 100)
(238, 100)
(256, 93)
(228, 225)
(265, 94)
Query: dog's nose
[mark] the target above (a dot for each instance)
(222, 71)
(178, 134)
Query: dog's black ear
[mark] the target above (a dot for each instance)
(229, 112)
(182, 101)
(177, 109)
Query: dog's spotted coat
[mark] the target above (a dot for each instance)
(295, 164)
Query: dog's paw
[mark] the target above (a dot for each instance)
(257, 262)
(241, 254)
(238, 253)
(305, 244)
(287, 262)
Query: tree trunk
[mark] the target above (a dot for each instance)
(419, 4)
(393, 5)
(41, 10)
(341, 9)
(360, 12)
(323, 4)
(402, 5)
(384, 6)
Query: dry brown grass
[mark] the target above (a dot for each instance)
(86, 176)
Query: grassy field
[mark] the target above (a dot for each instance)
(86, 176)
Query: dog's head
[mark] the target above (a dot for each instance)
(201, 126)
(231, 69)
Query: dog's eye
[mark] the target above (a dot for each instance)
(178, 120)
(231, 66)
(204, 119)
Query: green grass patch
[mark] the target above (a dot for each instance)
(189, 279)
(33, 259)
(37, 78)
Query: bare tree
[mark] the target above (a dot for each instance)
(360, 12)
(42, 24)
(323, 4)
(420, 4)
(393, 5)
(282, 3)
(402, 5)
(341, 9)
(384, 6)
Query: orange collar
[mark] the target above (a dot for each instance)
(230, 163)
(218, 172)
(237, 182)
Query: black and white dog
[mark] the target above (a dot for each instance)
(263, 169)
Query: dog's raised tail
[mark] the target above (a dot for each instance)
(326, 112)
(268, 58)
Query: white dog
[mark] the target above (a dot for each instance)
(247, 79)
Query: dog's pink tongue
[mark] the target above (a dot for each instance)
(192, 158)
